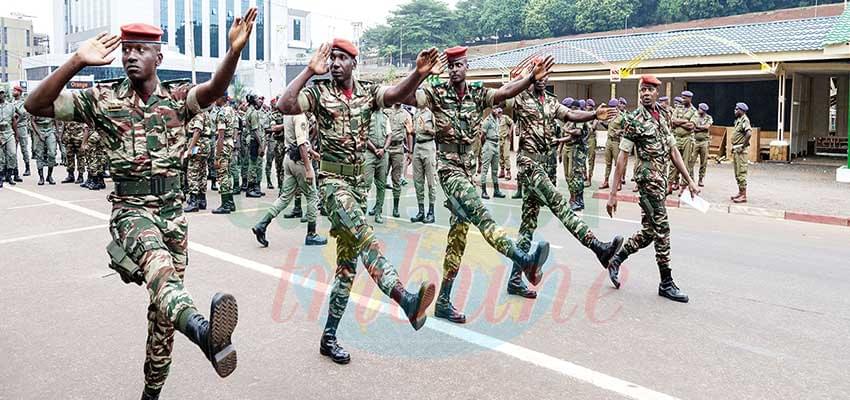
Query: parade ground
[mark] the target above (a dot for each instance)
(768, 314)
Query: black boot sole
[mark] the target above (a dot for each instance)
(427, 292)
(536, 274)
(261, 236)
(461, 319)
(522, 292)
(224, 315)
(605, 259)
(614, 275)
(327, 353)
(673, 298)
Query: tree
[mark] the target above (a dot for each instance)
(413, 26)
(548, 18)
(469, 14)
(503, 18)
(602, 15)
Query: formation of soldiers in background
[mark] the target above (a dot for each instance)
(257, 150)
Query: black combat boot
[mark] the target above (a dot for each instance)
(667, 288)
(245, 185)
(97, 183)
(86, 182)
(192, 204)
(17, 177)
(9, 174)
(329, 347)
(213, 185)
(254, 191)
(27, 168)
(50, 176)
(231, 204)
(444, 308)
(69, 178)
(296, 210)
(373, 210)
(421, 216)
(260, 229)
(484, 194)
(517, 287)
(40, 177)
(414, 305)
(2, 174)
(429, 218)
(79, 180)
(518, 193)
(614, 267)
(313, 238)
(151, 394)
(605, 251)
(213, 336)
(202, 201)
(531, 263)
(395, 207)
(223, 209)
(496, 193)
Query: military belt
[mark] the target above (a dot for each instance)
(424, 140)
(396, 142)
(156, 186)
(454, 148)
(340, 168)
(541, 158)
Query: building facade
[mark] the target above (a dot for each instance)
(16, 44)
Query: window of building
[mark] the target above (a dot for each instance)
(3, 56)
(213, 28)
(229, 19)
(163, 19)
(29, 39)
(5, 34)
(180, 23)
(260, 29)
(296, 29)
(197, 34)
(246, 52)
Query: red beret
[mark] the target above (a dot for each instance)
(650, 80)
(345, 46)
(141, 33)
(455, 52)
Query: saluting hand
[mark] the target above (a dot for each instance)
(241, 29)
(319, 63)
(542, 68)
(604, 113)
(96, 50)
(427, 61)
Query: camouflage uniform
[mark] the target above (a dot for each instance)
(23, 131)
(458, 121)
(227, 121)
(653, 142)
(399, 121)
(375, 168)
(276, 153)
(591, 150)
(684, 137)
(578, 161)
(44, 149)
(8, 152)
(739, 150)
(144, 143)
(612, 145)
(535, 121)
(424, 157)
(242, 161)
(505, 126)
(72, 135)
(95, 154)
(702, 138)
(197, 171)
(255, 134)
(490, 153)
(343, 125)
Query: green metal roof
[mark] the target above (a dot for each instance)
(840, 32)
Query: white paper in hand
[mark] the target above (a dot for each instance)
(695, 202)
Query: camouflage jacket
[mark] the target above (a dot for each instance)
(742, 127)
(227, 120)
(23, 115)
(254, 125)
(200, 121)
(536, 120)
(343, 123)
(705, 121)
(276, 118)
(7, 113)
(690, 114)
(73, 131)
(652, 140)
(143, 139)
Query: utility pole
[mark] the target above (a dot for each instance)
(190, 33)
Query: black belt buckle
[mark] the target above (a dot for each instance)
(157, 185)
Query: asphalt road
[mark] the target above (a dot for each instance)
(768, 316)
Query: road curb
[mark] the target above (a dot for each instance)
(817, 219)
(756, 211)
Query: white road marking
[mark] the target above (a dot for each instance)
(474, 230)
(49, 204)
(54, 233)
(539, 359)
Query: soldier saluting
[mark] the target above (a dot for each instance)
(143, 123)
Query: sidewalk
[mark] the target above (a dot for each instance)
(785, 191)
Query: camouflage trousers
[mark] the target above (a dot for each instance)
(270, 161)
(235, 164)
(612, 150)
(211, 172)
(505, 153)
(278, 159)
(465, 205)
(8, 152)
(73, 155)
(95, 155)
(591, 155)
(156, 240)
(295, 183)
(739, 157)
(198, 169)
(375, 170)
(355, 239)
(395, 166)
(700, 152)
(244, 159)
(225, 177)
(490, 162)
(552, 165)
(425, 171)
(655, 227)
(539, 191)
(579, 169)
(24, 143)
(685, 144)
(44, 151)
(255, 166)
